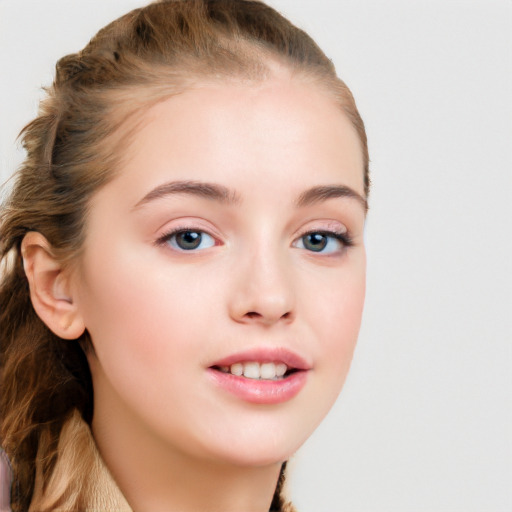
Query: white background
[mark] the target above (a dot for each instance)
(424, 423)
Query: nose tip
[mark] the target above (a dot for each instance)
(263, 299)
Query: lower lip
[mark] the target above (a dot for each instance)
(258, 391)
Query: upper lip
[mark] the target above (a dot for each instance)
(266, 355)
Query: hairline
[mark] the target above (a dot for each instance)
(130, 103)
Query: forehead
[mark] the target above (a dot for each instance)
(273, 130)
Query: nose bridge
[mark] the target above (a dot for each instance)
(264, 287)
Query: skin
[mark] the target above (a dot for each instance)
(159, 316)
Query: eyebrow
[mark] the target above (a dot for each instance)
(324, 192)
(211, 191)
(222, 194)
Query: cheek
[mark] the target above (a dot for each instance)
(143, 318)
(336, 316)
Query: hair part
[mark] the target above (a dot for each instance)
(76, 145)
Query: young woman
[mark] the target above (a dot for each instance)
(183, 264)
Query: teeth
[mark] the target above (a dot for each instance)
(254, 370)
(237, 369)
(281, 369)
(268, 371)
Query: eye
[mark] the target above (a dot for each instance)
(188, 240)
(323, 242)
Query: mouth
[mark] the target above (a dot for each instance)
(257, 370)
(262, 376)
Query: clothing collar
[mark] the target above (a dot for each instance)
(80, 479)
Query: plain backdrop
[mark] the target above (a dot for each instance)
(424, 422)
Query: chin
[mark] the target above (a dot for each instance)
(257, 447)
(257, 457)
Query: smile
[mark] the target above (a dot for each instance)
(256, 370)
(265, 376)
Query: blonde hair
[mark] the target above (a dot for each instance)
(73, 148)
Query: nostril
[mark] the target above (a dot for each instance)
(256, 315)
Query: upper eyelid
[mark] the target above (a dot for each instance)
(328, 227)
(185, 225)
(324, 231)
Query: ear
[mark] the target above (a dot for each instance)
(50, 288)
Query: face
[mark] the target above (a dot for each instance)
(230, 242)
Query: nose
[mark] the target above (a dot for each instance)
(262, 291)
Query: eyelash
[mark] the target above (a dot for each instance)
(164, 239)
(343, 238)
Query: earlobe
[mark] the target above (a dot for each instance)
(50, 288)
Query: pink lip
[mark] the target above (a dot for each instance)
(262, 391)
(266, 355)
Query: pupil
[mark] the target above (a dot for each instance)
(315, 242)
(188, 239)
